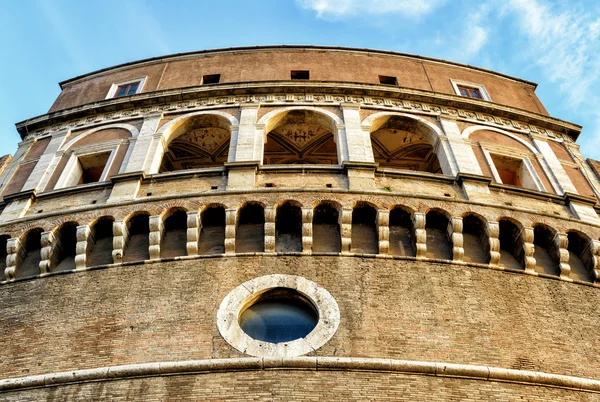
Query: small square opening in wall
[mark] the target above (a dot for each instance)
(89, 168)
(387, 80)
(509, 169)
(211, 79)
(300, 74)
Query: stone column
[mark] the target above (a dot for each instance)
(307, 229)
(528, 250)
(155, 236)
(15, 253)
(493, 232)
(420, 236)
(47, 252)
(383, 227)
(82, 247)
(193, 232)
(269, 230)
(230, 229)
(346, 229)
(561, 242)
(120, 239)
(455, 228)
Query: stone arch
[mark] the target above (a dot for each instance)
(299, 134)
(138, 229)
(470, 130)
(326, 226)
(133, 131)
(29, 257)
(197, 140)
(364, 235)
(546, 251)
(437, 229)
(402, 231)
(475, 238)
(100, 242)
(512, 254)
(581, 256)
(174, 238)
(403, 141)
(288, 226)
(62, 256)
(212, 231)
(250, 231)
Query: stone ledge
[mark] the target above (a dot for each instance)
(207, 366)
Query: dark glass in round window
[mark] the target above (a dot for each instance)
(279, 315)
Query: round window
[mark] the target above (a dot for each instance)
(279, 315)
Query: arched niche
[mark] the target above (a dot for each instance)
(404, 143)
(581, 256)
(511, 244)
(475, 239)
(438, 240)
(364, 238)
(198, 141)
(300, 136)
(288, 227)
(212, 233)
(174, 239)
(100, 249)
(326, 228)
(401, 232)
(250, 233)
(30, 263)
(546, 252)
(137, 248)
(63, 258)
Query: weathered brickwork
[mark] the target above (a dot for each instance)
(445, 229)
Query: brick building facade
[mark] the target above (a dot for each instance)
(443, 227)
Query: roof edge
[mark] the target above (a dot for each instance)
(290, 47)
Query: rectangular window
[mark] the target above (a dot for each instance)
(211, 79)
(126, 88)
(470, 90)
(474, 93)
(386, 80)
(300, 74)
(87, 169)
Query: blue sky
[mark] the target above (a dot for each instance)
(554, 43)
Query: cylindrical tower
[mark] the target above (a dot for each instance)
(299, 223)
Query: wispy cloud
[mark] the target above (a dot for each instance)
(350, 8)
(146, 26)
(66, 38)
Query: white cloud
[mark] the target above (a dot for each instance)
(349, 8)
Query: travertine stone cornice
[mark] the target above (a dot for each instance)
(305, 93)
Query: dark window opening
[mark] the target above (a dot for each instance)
(511, 245)
(387, 80)
(546, 254)
(250, 234)
(64, 249)
(288, 228)
(364, 230)
(326, 229)
(30, 265)
(475, 240)
(137, 248)
(436, 228)
(300, 74)
(212, 234)
(401, 233)
(279, 315)
(100, 251)
(211, 79)
(92, 167)
(581, 258)
(174, 241)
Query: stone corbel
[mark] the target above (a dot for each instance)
(528, 251)
(455, 228)
(269, 230)
(84, 241)
(48, 252)
(230, 229)
(307, 229)
(120, 239)
(155, 236)
(346, 229)
(561, 243)
(595, 249)
(420, 236)
(383, 226)
(15, 254)
(493, 233)
(193, 232)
